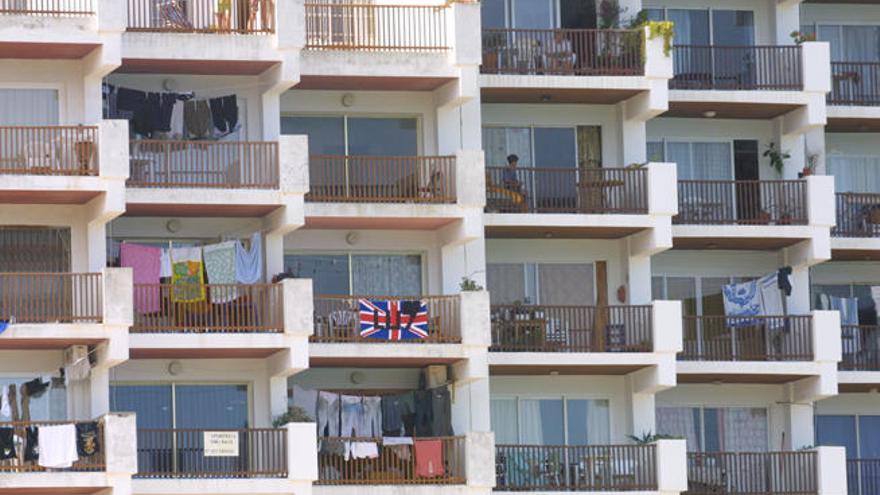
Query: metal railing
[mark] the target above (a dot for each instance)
(747, 338)
(381, 179)
(24, 463)
(208, 308)
(567, 52)
(366, 27)
(396, 465)
(519, 328)
(737, 67)
(49, 150)
(48, 7)
(855, 83)
(858, 215)
(860, 347)
(863, 476)
(594, 468)
(742, 202)
(201, 16)
(752, 473)
(180, 453)
(338, 320)
(51, 297)
(204, 164)
(567, 190)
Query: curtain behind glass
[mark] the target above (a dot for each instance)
(832, 35)
(681, 422)
(492, 14)
(503, 416)
(736, 429)
(691, 26)
(588, 422)
(499, 142)
(861, 43)
(855, 173)
(329, 273)
(211, 406)
(541, 422)
(869, 432)
(533, 14)
(733, 27)
(655, 151)
(386, 275)
(326, 134)
(712, 161)
(383, 136)
(506, 282)
(837, 431)
(566, 284)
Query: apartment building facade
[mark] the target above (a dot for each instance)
(232, 232)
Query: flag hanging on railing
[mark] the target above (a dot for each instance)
(393, 320)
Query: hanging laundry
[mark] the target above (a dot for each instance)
(224, 113)
(88, 442)
(165, 264)
(771, 301)
(5, 406)
(35, 388)
(57, 446)
(220, 265)
(197, 119)
(145, 263)
(187, 278)
(165, 111)
(741, 301)
(361, 450)
(783, 279)
(32, 444)
(7, 444)
(401, 447)
(80, 368)
(249, 263)
(177, 120)
(429, 458)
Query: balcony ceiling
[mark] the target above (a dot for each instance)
(855, 255)
(739, 378)
(386, 362)
(697, 109)
(42, 51)
(531, 232)
(197, 210)
(612, 370)
(347, 83)
(734, 243)
(47, 197)
(195, 67)
(42, 345)
(202, 353)
(556, 95)
(378, 223)
(852, 125)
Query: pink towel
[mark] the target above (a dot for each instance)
(146, 265)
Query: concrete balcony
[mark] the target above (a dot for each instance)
(727, 214)
(818, 471)
(58, 310)
(854, 100)
(603, 203)
(856, 235)
(598, 66)
(753, 82)
(390, 47)
(800, 349)
(859, 368)
(232, 321)
(65, 165)
(184, 178)
(653, 468)
(455, 328)
(110, 468)
(254, 460)
(61, 29)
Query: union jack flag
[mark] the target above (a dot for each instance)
(393, 320)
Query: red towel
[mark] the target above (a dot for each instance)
(429, 458)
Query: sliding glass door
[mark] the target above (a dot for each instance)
(396, 275)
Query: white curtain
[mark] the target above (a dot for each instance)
(598, 422)
(386, 275)
(861, 43)
(504, 423)
(506, 282)
(566, 284)
(499, 142)
(531, 424)
(855, 173)
(680, 422)
(701, 161)
(744, 429)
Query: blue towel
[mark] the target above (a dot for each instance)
(249, 264)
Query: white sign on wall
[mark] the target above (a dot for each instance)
(221, 443)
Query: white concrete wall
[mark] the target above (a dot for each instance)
(65, 76)
(764, 16)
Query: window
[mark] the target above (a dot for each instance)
(550, 421)
(717, 429)
(853, 173)
(851, 43)
(520, 14)
(29, 107)
(702, 27)
(699, 295)
(344, 135)
(867, 313)
(857, 433)
(364, 274)
(563, 284)
(695, 160)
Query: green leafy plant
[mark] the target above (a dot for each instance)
(666, 29)
(609, 14)
(648, 437)
(800, 37)
(777, 158)
(469, 285)
(293, 415)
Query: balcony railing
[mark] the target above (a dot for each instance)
(396, 465)
(566, 52)
(51, 297)
(220, 308)
(752, 473)
(338, 320)
(48, 7)
(863, 476)
(519, 328)
(858, 215)
(737, 67)
(594, 468)
(366, 27)
(742, 202)
(201, 16)
(381, 179)
(49, 150)
(181, 453)
(747, 338)
(19, 464)
(567, 190)
(861, 348)
(855, 83)
(204, 164)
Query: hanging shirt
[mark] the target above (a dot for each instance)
(187, 279)
(249, 264)
(57, 446)
(144, 262)
(177, 120)
(220, 265)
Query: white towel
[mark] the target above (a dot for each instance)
(771, 301)
(165, 264)
(5, 408)
(389, 441)
(57, 446)
(361, 450)
(249, 264)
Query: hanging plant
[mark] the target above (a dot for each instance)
(777, 158)
(665, 29)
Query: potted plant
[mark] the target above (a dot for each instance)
(294, 415)
(224, 15)
(800, 37)
(810, 167)
(777, 158)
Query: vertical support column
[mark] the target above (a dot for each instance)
(471, 375)
(787, 14)
(633, 136)
(120, 450)
(799, 419)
